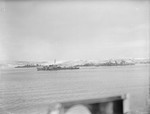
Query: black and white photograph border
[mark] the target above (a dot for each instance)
(74, 57)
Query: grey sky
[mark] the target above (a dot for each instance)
(67, 30)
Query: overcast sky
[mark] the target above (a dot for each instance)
(68, 30)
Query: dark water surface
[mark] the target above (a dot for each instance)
(28, 91)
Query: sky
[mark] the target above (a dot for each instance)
(74, 30)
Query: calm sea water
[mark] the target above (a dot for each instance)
(28, 91)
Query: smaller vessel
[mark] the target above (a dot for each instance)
(27, 66)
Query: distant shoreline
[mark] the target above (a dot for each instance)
(85, 63)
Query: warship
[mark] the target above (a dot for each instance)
(55, 67)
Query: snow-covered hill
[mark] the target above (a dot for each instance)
(104, 62)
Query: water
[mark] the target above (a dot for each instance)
(27, 91)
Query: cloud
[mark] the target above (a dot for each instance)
(75, 30)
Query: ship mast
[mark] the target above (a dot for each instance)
(54, 61)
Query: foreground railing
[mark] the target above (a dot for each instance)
(109, 105)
